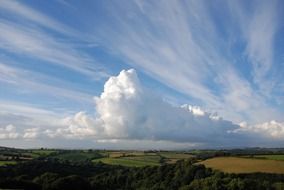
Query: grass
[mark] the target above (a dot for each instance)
(116, 154)
(147, 159)
(31, 155)
(43, 152)
(270, 157)
(127, 161)
(244, 165)
(4, 163)
(76, 156)
(279, 185)
(175, 155)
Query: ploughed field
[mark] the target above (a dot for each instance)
(263, 163)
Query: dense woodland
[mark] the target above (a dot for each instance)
(184, 175)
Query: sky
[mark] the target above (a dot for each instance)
(141, 74)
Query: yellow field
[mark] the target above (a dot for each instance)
(244, 165)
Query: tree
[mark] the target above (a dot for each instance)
(72, 182)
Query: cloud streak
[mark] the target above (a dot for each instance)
(37, 44)
(32, 82)
(24, 12)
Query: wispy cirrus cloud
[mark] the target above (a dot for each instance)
(177, 43)
(181, 45)
(25, 81)
(260, 39)
(19, 11)
(35, 43)
(26, 31)
(258, 27)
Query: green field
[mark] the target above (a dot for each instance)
(271, 157)
(76, 156)
(130, 161)
(4, 163)
(175, 155)
(151, 160)
(43, 152)
(244, 165)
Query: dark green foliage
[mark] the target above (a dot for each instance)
(46, 180)
(7, 183)
(72, 182)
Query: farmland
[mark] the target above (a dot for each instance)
(140, 158)
(133, 169)
(244, 165)
(241, 160)
(125, 158)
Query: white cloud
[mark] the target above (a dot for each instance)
(126, 110)
(270, 130)
(31, 133)
(9, 132)
(79, 126)
(194, 109)
(27, 121)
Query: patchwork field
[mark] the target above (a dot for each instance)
(140, 159)
(244, 165)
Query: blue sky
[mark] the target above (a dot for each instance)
(225, 57)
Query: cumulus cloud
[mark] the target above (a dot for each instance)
(12, 132)
(31, 133)
(79, 126)
(270, 130)
(126, 110)
(9, 132)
